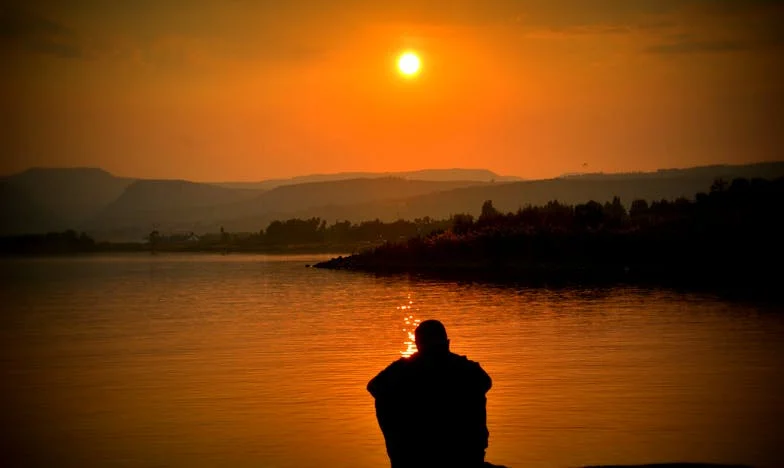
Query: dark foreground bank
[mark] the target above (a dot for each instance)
(688, 278)
(728, 238)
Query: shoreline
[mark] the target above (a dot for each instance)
(142, 250)
(702, 279)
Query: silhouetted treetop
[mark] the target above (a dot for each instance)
(720, 236)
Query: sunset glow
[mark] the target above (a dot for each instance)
(410, 323)
(352, 234)
(256, 90)
(409, 64)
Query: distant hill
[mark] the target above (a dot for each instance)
(343, 192)
(439, 175)
(669, 184)
(20, 214)
(186, 206)
(166, 202)
(725, 171)
(114, 208)
(58, 198)
(54, 199)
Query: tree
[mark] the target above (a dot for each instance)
(615, 213)
(639, 208)
(589, 214)
(153, 238)
(86, 242)
(718, 186)
(488, 211)
(462, 223)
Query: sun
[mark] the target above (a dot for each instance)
(408, 64)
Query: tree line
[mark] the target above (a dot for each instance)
(554, 232)
(50, 243)
(732, 232)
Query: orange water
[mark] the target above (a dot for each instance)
(252, 361)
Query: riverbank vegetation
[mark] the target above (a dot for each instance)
(289, 236)
(728, 235)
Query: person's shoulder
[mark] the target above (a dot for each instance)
(463, 360)
(388, 376)
(399, 363)
(397, 366)
(474, 371)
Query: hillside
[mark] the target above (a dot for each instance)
(388, 199)
(724, 171)
(572, 190)
(55, 199)
(438, 175)
(146, 203)
(58, 198)
(719, 239)
(113, 208)
(316, 194)
(185, 206)
(20, 214)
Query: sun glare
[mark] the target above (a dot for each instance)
(408, 64)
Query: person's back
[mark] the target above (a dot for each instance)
(431, 407)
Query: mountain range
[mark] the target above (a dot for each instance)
(125, 209)
(442, 175)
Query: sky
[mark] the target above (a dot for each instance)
(246, 90)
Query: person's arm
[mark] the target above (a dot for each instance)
(382, 383)
(483, 384)
(377, 385)
(482, 378)
(387, 410)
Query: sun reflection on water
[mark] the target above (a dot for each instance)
(409, 325)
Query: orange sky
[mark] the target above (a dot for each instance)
(248, 90)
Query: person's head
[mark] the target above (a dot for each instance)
(430, 337)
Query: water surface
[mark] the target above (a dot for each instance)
(257, 361)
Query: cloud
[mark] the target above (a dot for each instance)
(609, 29)
(715, 46)
(298, 31)
(737, 7)
(697, 46)
(723, 27)
(38, 34)
(758, 35)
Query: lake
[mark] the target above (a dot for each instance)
(257, 361)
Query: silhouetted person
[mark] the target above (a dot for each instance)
(431, 407)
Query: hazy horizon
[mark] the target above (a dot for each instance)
(251, 179)
(362, 173)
